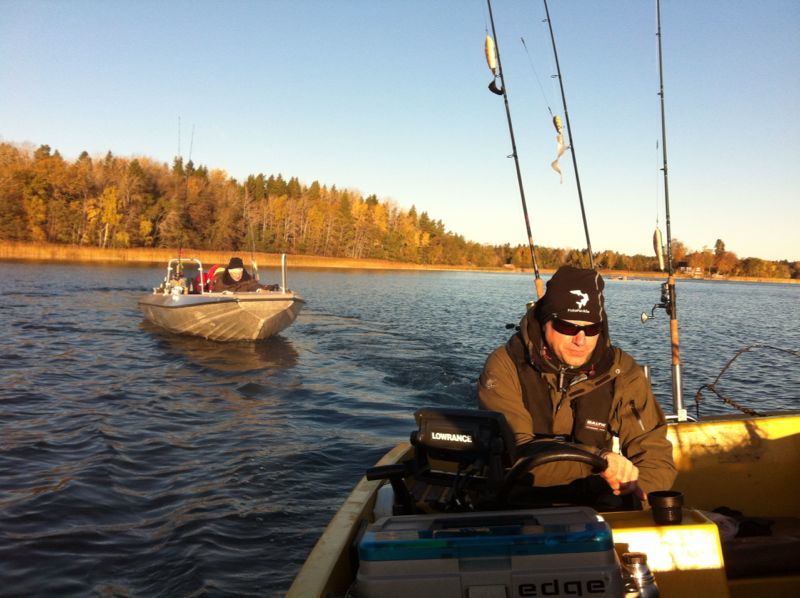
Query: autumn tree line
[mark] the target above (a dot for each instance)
(138, 202)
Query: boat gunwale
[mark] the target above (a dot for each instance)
(219, 298)
(321, 572)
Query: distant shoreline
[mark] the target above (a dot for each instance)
(12, 250)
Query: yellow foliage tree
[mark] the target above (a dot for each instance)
(109, 213)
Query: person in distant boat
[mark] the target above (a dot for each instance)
(235, 278)
(560, 376)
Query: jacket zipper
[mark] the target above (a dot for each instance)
(562, 388)
(637, 415)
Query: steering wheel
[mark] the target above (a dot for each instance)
(540, 452)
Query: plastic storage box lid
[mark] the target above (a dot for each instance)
(495, 534)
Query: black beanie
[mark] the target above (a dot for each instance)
(236, 262)
(573, 294)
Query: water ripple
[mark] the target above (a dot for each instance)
(137, 463)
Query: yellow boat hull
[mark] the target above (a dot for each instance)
(748, 464)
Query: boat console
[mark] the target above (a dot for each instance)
(466, 459)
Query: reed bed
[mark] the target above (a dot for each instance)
(14, 250)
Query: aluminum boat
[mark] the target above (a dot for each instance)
(183, 307)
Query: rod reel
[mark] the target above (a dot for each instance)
(666, 304)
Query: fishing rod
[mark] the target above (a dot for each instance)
(502, 91)
(569, 133)
(668, 293)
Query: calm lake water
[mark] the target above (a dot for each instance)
(137, 463)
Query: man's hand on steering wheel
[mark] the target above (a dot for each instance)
(621, 475)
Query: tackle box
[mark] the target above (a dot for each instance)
(502, 554)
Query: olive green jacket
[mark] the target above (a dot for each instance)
(635, 417)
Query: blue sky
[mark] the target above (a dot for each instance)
(389, 97)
